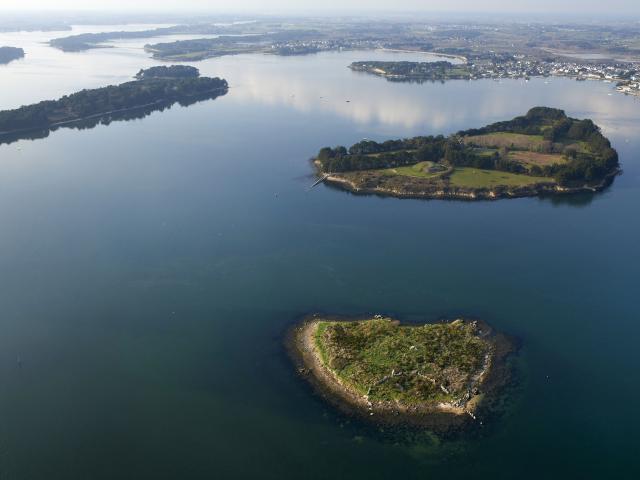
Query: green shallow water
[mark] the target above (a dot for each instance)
(148, 271)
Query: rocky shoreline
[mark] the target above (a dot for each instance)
(418, 188)
(463, 414)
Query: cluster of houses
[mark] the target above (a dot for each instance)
(627, 75)
(631, 87)
(303, 47)
(520, 68)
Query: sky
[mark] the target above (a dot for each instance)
(610, 7)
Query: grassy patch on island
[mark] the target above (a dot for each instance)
(419, 170)
(477, 178)
(411, 364)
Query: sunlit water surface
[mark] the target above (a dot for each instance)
(148, 270)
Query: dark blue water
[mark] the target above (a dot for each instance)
(149, 268)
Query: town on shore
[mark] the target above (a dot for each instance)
(626, 76)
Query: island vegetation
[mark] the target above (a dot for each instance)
(436, 375)
(542, 152)
(414, 71)
(155, 90)
(9, 54)
(174, 71)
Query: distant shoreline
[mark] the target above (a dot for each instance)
(437, 54)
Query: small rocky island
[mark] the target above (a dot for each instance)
(544, 152)
(442, 376)
(9, 54)
(156, 88)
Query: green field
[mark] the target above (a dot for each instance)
(419, 170)
(475, 178)
(387, 361)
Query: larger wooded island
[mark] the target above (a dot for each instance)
(439, 375)
(542, 152)
(155, 89)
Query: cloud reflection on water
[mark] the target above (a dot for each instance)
(319, 84)
(322, 83)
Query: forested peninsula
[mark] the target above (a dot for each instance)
(157, 88)
(9, 54)
(298, 42)
(542, 152)
(442, 376)
(87, 41)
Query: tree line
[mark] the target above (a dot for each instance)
(173, 71)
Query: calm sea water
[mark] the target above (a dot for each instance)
(149, 268)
